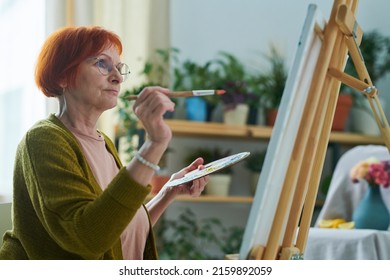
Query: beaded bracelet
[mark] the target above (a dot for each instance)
(153, 166)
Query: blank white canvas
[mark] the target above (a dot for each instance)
(284, 135)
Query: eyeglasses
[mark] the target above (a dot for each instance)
(106, 66)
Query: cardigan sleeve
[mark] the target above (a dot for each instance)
(70, 204)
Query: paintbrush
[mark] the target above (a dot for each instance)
(189, 93)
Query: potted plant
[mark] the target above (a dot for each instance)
(254, 163)
(272, 83)
(128, 122)
(234, 80)
(219, 182)
(195, 76)
(153, 73)
(341, 114)
(190, 238)
(375, 49)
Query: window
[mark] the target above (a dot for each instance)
(22, 29)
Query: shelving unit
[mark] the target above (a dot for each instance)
(213, 199)
(183, 128)
(222, 199)
(208, 129)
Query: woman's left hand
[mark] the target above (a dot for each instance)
(194, 188)
(161, 201)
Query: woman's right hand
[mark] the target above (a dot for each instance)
(151, 105)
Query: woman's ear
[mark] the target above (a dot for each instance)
(63, 84)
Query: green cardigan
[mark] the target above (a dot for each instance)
(59, 209)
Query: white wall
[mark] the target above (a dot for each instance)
(245, 28)
(5, 219)
(202, 28)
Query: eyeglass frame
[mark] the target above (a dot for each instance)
(110, 67)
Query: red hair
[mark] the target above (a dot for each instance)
(63, 52)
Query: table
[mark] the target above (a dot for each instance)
(347, 244)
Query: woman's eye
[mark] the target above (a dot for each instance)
(101, 63)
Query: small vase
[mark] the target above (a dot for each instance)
(344, 103)
(363, 120)
(237, 116)
(196, 109)
(271, 116)
(219, 184)
(371, 212)
(254, 181)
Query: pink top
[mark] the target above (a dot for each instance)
(104, 168)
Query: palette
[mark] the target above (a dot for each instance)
(209, 168)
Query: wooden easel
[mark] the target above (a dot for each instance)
(341, 35)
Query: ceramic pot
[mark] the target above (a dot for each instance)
(255, 176)
(344, 103)
(219, 184)
(371, 212)
(363, 121)
(196, 109)
(236, 116)
(271, 116)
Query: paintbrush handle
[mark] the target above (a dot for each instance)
(189, 93)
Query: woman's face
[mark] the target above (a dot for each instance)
(94, 90)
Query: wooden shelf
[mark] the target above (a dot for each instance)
(212, 198)
(248, 132)
(221, 199)
(208, 129)
(215, 198)
(355, 139)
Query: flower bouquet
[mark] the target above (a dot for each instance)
(371, 212)
(373, 171)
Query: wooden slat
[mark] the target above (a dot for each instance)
(252, 132)
(212, 199)
(222, 199)
(355, 138)
(182, 127)
(216, 199)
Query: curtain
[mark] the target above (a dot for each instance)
(21, 104)
(143, 27)
(141, 24)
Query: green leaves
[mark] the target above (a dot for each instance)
(255, 161)
(188, 238)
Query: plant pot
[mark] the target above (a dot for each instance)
(157, 182)
(252, 115)
(196, 109)
(271, 116)
(363, 121)
(344, 103)
(254, 177)
(219, 184)
(236, 116)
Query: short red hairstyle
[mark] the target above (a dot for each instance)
(63, 52)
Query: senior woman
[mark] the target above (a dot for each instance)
(73, 199)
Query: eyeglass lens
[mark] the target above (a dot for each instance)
(105, 67)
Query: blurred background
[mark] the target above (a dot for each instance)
(181, 40)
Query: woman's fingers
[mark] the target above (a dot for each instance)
(198, 186)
